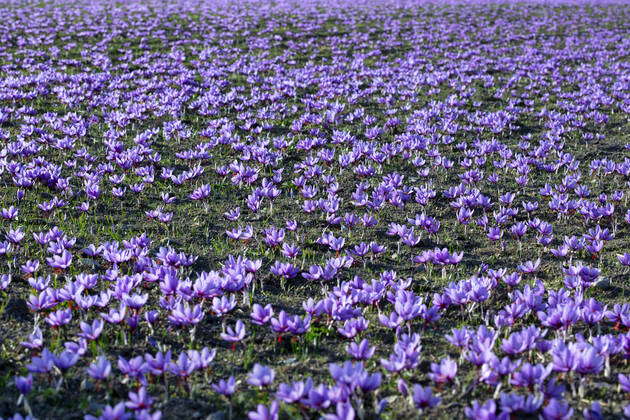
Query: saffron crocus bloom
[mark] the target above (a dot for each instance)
(444, 372)
(236, 334)
(184, 314)
(261, 376)
(485, 411)
(5, 280)
(423, 397)
(91, 331)
(290, 251)
(61, 261)
(624, 259)
(495, 233)
(530, 375)
(140, 400)
(134, 368)
(368, 382)
(184, 366)
(361, 351)
(298, 325)
(514, 344)
(135, 301)
(35, 340)
(344, 411)
(459, 337)
(24, 383)
(353, 326)
(273, 236)
(117, 412)
(233, 214)
(444, 257)
(204, 357)
(15, 236)
(594, 412)
(115, 316)
(589, 362)
(225, 387)
(41, 364)
(281, 324)
(564, 358)
(318, 397)
(58, 318)
(265, 413)
(261, 315)
(65, 360)
(201, 192)
(29, 267)
(514, 403)
(9, 213)
(557, 410)
(159, 363)
(291, 393)
(529, 267)
(223, 305)
(286, 270)
(348, 374)
(100, 369)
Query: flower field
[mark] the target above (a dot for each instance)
(348, 210)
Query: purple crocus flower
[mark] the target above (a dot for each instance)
(294, 392)
(443, 372)
(91, 331)
(201, 192)
(59, 318)
(624, 259)
(485, 411)
(159, 363)
(515, 403)
(5, 280)
(318, 397)
(139, 400)
(344, 411)
(265, 413)
(60, 261)
(184, 366)
(594, 412)
(184, 314)
(65, 360)
(236, 334)
(225, 387)
(30, 267)
(116, 412)
(361, 351)
(223, 305)
(100, 369)
(43, 363)
(261, 315)
(423, 397)
(35, 340)
(134, 367)
(589, 362)
(24, 383)
(557, 410)
(529, 267)
(15, 236)
(261, 376)
(530, 375)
